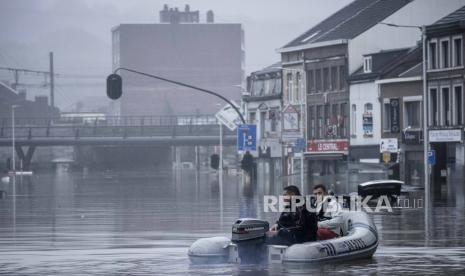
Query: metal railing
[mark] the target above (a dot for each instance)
(112, 126)
(102, 120)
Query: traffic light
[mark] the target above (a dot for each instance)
(215, 161)
(114, 86)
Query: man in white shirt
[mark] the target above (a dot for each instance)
(329, 214)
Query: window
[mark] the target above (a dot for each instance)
(386, 115)
(353, 121)
(333, 78)
(433, 107)
(334, 115)
(273, 85)
(277, 85)
(252, 118)
(368, 107)
(342, 77)
(458, 105)
(412, 117)
(262, 124)
(258, 87)
(325, 79)
(298, 84)
(318, 80)
(311, 126)
(290, 88)
(274, 119)
(319, 117)
(432, 55)
(367, 64)
(345, 120)
(445, 106)
(310, 81)
(457, 52)
(327, 118)
(445, 53)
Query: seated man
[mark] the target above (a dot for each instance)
(293, 227)
(328, 211)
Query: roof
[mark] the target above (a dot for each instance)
(350, 21)
(409, 64)
(273, 68)
(451, 23)
(457, 15)
(380, 62)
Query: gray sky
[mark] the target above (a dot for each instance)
(78, 31)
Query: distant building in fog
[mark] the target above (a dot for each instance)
(207, 55)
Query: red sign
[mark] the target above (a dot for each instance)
(328, 146)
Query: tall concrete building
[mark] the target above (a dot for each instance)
(181, 48)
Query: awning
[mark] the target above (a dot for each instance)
(324, 156)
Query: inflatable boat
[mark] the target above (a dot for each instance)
(359, 241)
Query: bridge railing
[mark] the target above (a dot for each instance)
(119, 130)
(103, 120)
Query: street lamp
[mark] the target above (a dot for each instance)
(115, 87)
(302, 109)
(425, 113)
(13, 142)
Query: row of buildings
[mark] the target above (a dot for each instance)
(346, 98)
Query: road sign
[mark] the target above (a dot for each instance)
(299, 145)
(247, 138)
(432, 157)
(228, 116)
(386, 157)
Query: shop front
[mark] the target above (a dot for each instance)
(327, 163)
(412, 160)
(447, 174)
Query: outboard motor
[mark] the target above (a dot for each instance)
(249, 235)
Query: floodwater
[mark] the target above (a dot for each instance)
(139, 224)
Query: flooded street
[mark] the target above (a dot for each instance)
(123, 223)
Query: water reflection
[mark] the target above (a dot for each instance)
(130, 223)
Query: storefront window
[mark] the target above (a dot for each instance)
(414, 168)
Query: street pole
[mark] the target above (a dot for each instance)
(52, 82)
(426, 176)
(302, 114)
(425, 126)
(220, 174)
(13, 142)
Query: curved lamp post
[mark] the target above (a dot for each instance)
(115, 87)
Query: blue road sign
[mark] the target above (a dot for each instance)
(432, 157)
(299, 145)
(247, 138)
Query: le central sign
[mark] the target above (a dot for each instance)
(328, 146)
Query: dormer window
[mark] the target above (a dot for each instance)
(367, 64)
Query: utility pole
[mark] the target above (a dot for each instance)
(52, 82)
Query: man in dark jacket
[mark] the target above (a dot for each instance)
(293, 226)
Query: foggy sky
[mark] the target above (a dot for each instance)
(79, 32)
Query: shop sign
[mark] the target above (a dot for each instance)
(290, 119)
(389, 145)
(445, 135)
(395, 114)
(328, 146)
(386, 157)
(412, 137)
(368, 124)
